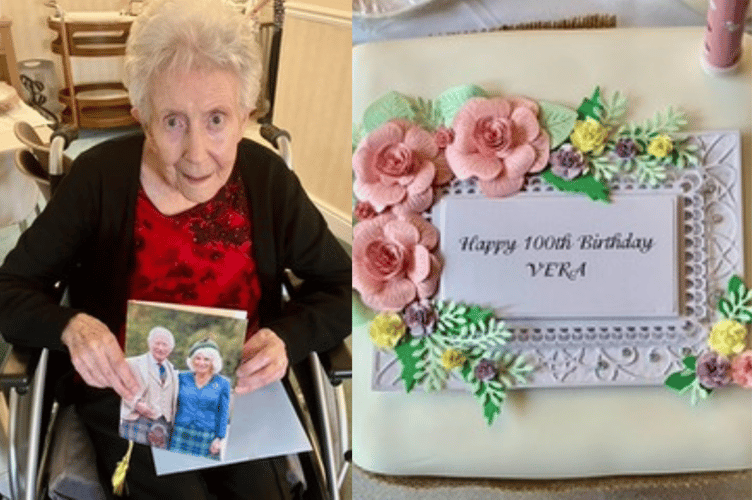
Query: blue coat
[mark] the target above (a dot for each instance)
(207, 408)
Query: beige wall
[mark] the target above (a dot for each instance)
(314, 99)
(342, 5)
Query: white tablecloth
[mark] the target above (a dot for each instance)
(442, 16)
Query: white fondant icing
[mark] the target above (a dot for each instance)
(576, 432)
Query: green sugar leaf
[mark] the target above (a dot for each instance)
(491, 410)
(390, 106)
(698, 392)
(411, 371)
(426, 114)
(357, 135)
(467, 373)
(725, 308)
(477, 315)
(591, 107)
(690, 362)
(614, 108)
(744, 315)
(736, 284)
(452, 100)
(489, 394)
(557, 120)
(680, 381)
(361, 314)
(585, 184)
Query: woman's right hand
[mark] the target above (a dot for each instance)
(97, 357)
(215, 447)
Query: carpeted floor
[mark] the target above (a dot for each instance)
(707, 486)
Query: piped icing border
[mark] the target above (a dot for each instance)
(407, 148)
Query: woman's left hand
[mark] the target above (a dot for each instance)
(264, 361)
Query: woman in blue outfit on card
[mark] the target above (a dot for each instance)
(203, 403)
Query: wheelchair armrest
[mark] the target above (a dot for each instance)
(18, 368)
(280, 140)
(272, 133)
(68, 133)
(337, 363)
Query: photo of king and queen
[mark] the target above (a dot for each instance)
(185, 363)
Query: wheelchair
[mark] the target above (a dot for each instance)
(315, 385)
(317, 380)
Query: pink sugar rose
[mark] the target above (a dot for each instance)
(393, 263)
(498, 141)
(364, 210)
(741, 369)
(444, 174)
(443, 137)
(395, 166)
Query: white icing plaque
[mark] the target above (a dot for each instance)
(562, 256)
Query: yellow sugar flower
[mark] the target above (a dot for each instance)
(661, 146)
(728, 337)
(387, 329)
(589, 135)
(452, 358)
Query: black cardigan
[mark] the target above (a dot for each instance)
(84, 240)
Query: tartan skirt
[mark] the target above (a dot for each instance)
(192, 440)
(136, 430)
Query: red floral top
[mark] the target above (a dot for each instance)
(201, 256)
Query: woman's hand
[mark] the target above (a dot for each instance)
(97, 357)
(264, 361)
(215, 446)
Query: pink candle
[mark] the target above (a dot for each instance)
(723, 37)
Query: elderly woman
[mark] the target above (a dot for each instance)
(203, 403)
(186, 211)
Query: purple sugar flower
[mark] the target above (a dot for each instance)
(626, 149)
(567, 162)
(713, 370)
(485, 370)
(420, 319)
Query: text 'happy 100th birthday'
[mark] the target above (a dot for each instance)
(565, 242)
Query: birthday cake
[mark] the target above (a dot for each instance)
(549, 244)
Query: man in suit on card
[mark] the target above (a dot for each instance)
(148, 418)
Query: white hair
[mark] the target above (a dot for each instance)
(160, 331)
(210, 353)
(186, 35)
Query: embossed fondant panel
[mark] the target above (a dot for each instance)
(630, 349)
(561, 256)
